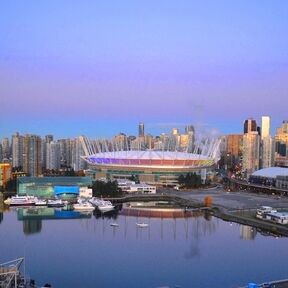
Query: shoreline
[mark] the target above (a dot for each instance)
(226, 214)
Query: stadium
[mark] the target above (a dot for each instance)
(158, 167)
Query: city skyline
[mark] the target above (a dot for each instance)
(158, 128)
(72, 69)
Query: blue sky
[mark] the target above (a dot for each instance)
(100, 67)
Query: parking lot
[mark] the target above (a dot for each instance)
(230, 200)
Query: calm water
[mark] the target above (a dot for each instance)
(191, 252)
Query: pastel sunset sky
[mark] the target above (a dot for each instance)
(100, 67)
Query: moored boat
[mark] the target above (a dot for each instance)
(20, 201)
(264, 210)
(102, 205)
(55, 203)
(84, 206)
(142, 225)
(40, 202)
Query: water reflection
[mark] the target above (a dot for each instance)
(32, 226)
(171, 251)
(1, 217)
(247, 232)
(48, 213)
(32, 217)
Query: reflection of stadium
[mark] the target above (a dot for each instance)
(152, 210)
(151, 166)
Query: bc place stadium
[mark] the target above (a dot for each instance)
(158, 167)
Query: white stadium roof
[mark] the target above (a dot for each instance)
(150, 154)
(271, 172)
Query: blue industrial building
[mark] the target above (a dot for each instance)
(50, 187)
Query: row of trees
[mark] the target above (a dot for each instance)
(106, 189)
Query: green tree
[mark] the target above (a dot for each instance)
(106, 189)
(11, 185)
(190, 180)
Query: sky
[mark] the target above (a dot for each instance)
(100, 67)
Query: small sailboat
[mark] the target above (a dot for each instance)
(142, 224)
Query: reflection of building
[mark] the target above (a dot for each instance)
(47, 213)
(247, 232)
(32, 226)
(158, 210)
(48, 186)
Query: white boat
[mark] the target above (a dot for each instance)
(55, 203)
(40, 202)
(105, 207)
(96, 201)
(114, 224)
(263, 211)
(20, 201)
(84, 206)
(102, 205)
(142, 225)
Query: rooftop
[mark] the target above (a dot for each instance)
(271, 172)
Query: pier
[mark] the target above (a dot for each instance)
(9, 273)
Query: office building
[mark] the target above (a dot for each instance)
(77, 163)
(141, 130)
(5, 174)
(250, 125)
(17, 150)
(6, 149)
(48, 139)
(281, 145)
(234, 145)
(53, 155)
(251, 148)
(65, 153)
(265, 127)
(267, 144)
(32, 164)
